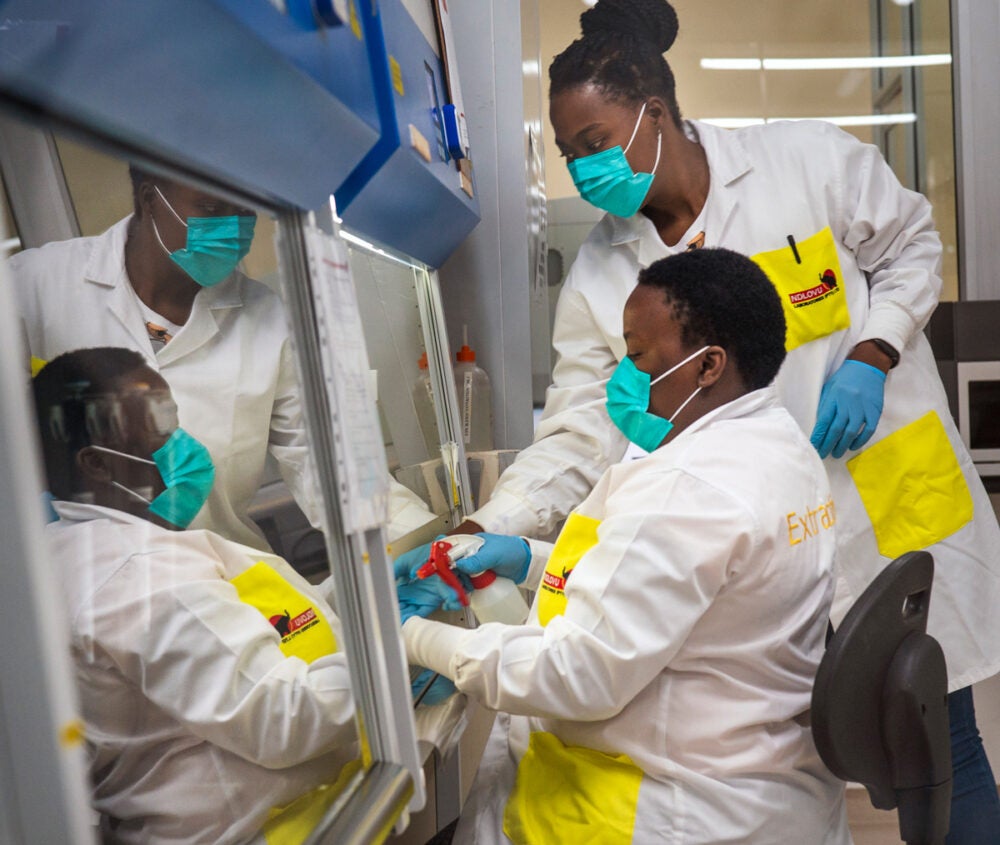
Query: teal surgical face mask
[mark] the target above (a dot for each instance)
(606, 179)
(628, 403)
(215, 245)
(187, 471)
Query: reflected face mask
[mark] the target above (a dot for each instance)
(215, 245)
(606, 179)
(628, 403)
(187, 471)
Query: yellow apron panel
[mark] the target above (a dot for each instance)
(292, 825)
(912, 487)
(571, 794)
(809, 281)
(577, 537)
(305, 631)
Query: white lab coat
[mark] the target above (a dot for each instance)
(196, 723)
(689, 641)
(230, 370)
(769, 182)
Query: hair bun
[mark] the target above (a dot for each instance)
(653, 21)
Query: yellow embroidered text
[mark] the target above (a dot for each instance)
(802, 526)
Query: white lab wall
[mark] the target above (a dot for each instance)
(485, 284)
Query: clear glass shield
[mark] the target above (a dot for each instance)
(183, 517)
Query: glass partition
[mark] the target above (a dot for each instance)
(399, 303)
(214, 676)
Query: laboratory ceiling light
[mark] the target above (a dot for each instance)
(840, 120)
(832, 63)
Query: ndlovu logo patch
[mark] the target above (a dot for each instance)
(817, 293)
(288, 627)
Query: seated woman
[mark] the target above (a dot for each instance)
(210, 681)
(660, 688)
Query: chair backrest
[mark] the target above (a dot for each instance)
(879, 703)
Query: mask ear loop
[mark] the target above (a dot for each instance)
(131, 492)
(168, 205)
(634, 131)
(684, 404)
(659, 139)
(116, 484)
(676, 367)
(156, 229)
(659, 144)
(123, 455)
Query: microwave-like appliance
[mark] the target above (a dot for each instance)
(978, 388)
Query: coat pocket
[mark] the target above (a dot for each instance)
(912, 487)
(566, 793)
(809, 281)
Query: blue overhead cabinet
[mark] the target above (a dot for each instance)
(288, 102)
(325, 40)
(415, 189)
(235, 91)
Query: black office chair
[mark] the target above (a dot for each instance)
(880, 706)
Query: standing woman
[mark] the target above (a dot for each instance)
(856, 261)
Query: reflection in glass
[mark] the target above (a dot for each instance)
(210, 673)
(387, 289)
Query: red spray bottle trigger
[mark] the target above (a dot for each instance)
(440, 563)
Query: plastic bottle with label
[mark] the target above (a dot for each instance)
(473, 386)
(423, 403)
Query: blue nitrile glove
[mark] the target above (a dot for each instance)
(425, 595)
(849, 408)
(440, 689)
(406, 565)
(509, 557)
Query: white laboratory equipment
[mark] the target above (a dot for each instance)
(474, 399)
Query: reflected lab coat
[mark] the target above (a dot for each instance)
(230, 370)
(913, 485)
(197, 724)
(686, 637)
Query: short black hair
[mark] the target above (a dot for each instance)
(621, 53)
(61, 390)
(722, 298)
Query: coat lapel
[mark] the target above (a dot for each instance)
(210, 309)
(106, 270)
(728, 161)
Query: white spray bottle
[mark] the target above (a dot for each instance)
(493, 599)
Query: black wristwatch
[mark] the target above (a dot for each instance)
(888, 349)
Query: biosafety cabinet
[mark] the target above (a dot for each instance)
(342, 125)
